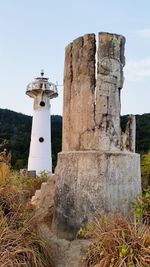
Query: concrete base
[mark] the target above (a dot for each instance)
(63, 253)
(87, 181)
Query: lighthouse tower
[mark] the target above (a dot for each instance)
(40, 156)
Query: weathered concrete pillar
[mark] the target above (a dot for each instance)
(91, 117)
(97, 169)
(128, 138)
(109, 83)
(131, 133)
(79, 91)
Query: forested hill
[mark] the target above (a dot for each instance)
(16, 128)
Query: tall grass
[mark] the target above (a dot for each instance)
(21, 246)
(117, 243)
(19, 243)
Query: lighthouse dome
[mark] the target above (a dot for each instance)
(41, 85)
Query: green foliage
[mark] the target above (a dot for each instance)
(16, 128)
(142, 205)
(56, 131)
(145, 169)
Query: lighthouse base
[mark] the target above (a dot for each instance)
(32, 174)
(38, 165)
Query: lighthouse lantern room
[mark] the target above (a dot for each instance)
(40, 156)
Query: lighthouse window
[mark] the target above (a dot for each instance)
(42, 103)
(41, 139)
(41, 85)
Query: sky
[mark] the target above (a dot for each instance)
(34, 34)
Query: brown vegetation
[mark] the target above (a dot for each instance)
(117, 243)
(19, 243)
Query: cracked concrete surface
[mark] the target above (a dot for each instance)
(92, 100)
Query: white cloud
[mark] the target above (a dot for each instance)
(138, 70)
(145, 33)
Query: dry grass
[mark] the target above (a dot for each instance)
(21, 247)
(117, 243)
(114, 241)
(19, 243)
(4, 172)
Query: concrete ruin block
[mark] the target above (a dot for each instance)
(92, 106)
(43, 200)
(63, 253)
(93, 181)
(97, 169)
(35, 200)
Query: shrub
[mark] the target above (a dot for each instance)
(142, 205)
(116, 243)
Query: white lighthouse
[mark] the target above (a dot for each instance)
(40, 156)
